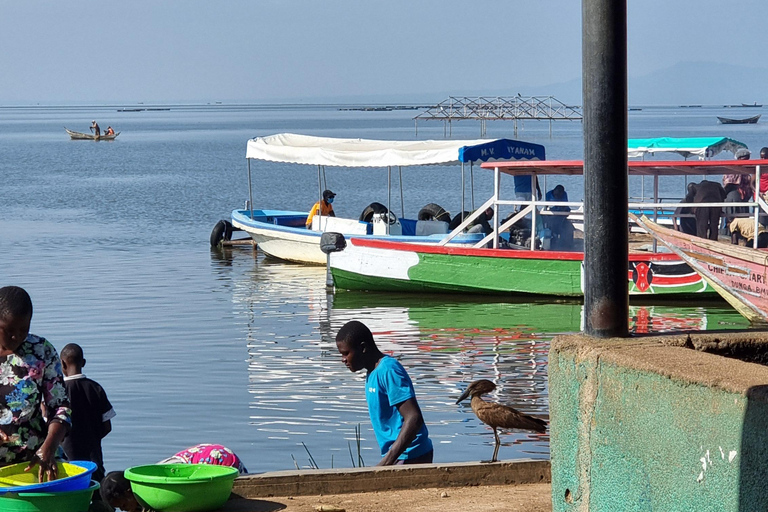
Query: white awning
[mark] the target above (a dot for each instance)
(305, 149)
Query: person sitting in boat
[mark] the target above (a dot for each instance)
(322, 207)
(109, 131)
(686, 224)
(559, 225)
(738, 188)
(95, 128)
(482, 223)
(764, 183)
(744, 227)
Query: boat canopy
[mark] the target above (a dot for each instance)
(636, 167)
(326, 151)
(700, 147)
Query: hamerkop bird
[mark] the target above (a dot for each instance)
(497, 415)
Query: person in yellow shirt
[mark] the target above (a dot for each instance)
(322, 207)
(744, 227)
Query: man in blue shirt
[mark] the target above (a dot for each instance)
(395, 414)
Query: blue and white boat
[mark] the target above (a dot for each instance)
(283, 234)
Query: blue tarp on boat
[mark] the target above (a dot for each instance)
(502, 149)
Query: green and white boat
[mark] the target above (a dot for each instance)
(390, 266)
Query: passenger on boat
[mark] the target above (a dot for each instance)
(523, 191)
(559, 225)
(708, 217)
(764, 175)
(95, 128)
(738, 188)
(109, 131)
(116, 489)
(482, 223)
(744, 227)
(322, 207)
(686, 224)
(395, 414)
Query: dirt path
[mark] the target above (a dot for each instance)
(509, 498)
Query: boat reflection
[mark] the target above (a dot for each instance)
(301, 393)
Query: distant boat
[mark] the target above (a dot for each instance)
(89, 136)
(131, 109)
(755, 104)
(749, 120)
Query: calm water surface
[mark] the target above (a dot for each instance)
(193, 345)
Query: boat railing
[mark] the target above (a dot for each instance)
(530, 207)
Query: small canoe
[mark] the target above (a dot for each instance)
(89, 136)
(749, 120)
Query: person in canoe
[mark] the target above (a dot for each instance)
(95, 128)
(109, 131)
(323, 207)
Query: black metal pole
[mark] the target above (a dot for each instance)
(606, 252)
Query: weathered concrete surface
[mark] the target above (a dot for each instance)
(490, 498)
(654, 424)
(421, 476)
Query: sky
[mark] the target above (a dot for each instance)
(263, 51)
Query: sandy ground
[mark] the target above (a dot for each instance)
(509, 498)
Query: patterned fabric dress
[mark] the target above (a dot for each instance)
(214, 454)
(31, 382)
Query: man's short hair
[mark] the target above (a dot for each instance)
(14, 302)
(72, 353)
(763, 153)
(355, 332)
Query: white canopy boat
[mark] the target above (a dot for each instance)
(283, 234)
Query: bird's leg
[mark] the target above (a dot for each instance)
(498, 443)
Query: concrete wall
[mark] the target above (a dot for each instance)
(654, 424)
(309, 482)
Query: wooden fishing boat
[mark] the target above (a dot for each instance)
(748, 120)
(283, 234)
(89, 136)
(388, 266)
(739, 274)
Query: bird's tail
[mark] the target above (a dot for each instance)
(531, 423)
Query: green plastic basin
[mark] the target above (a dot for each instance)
(68, 501)
(182, 487)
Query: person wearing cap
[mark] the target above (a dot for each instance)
(322, 207)
(738, 188)
(95, 128)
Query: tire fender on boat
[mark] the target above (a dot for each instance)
(221, 231)
(370, 210)
(434, 211)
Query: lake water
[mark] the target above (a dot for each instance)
(194, 345)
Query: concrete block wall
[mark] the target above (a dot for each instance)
(654, 424)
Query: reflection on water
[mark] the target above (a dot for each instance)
(111, 241)
(301, 392)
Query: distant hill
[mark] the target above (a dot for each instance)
(685, 83)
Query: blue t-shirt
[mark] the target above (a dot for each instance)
(523, 184)
(551, 197)
(385, 387)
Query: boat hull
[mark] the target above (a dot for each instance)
(749, 120)
(282, 235)
(739, 274)
(389, 266)
(89, 136)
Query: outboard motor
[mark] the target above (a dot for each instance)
(331, 242)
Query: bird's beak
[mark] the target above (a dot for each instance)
(464, 395)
